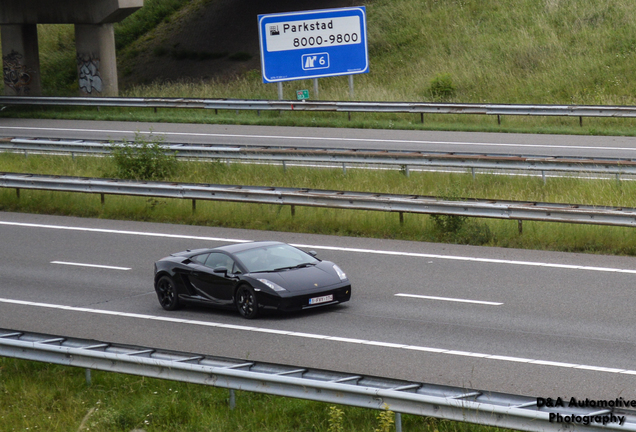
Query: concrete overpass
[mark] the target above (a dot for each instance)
(94, 42)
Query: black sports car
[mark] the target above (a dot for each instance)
(249, 277)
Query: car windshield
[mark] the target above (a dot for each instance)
(277, 257)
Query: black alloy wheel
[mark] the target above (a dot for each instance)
(167, 293)
(246, 302)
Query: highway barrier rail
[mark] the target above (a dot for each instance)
(334, 106)
(405, 160)
(499, 209)
(402, 397)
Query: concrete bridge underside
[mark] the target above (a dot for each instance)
(94, 42)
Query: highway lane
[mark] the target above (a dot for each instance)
(438, 141)
(561, 320)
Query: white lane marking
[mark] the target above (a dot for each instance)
(90, 265)
(323, 337)
(310, 138)
(448, 299)
(333, 248)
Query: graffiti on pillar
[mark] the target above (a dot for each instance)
(89, 77)
(17, 76)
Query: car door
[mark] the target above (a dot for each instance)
(216, 287)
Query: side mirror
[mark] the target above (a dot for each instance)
(312, 253)
(220, 270)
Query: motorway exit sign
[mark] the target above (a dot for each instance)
(313, 44)
(302, 94)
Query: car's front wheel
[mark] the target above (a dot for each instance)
(167, 293)
(246, 302)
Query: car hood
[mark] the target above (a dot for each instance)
(310, 278)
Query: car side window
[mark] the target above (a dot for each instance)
(216, 260)
(200, 258)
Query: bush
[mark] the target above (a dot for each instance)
(448, 224)
(143, 159)
(442, 87)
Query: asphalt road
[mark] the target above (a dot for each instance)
(490, 143)
(524, 322)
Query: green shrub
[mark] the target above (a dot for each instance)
(143, 159)
(336, 418)
(448, 224)
(442, 87)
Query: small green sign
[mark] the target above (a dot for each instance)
(302, 94)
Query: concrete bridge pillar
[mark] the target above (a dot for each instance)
(94, 39)
(20, 60)
(96, 59)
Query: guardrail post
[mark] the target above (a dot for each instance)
(102, 199)
(401, 218)
(520, 226)
(543, 176)
(581, 121)
(344, 169)
(88, 376)
(284, 166)
(194, 205)
(17, 192)
(232, 399)
(422, 117)
(498, 119)
(618, 178)
(472, 171)
(293, 210)
(398, 422)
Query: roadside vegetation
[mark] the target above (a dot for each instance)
(491, 232)
(50, 398)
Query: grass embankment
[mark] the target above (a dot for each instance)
(49, 398)
(536, 235)
(490, 51)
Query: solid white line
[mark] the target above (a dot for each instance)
(90, 265)
(324, 337)
(310, 138)
(333, 248)
(449, 299)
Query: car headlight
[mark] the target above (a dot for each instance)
(340, 273)
(272, 285)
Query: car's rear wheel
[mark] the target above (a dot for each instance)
(246, 302)
(167, 293)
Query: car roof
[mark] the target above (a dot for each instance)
(239, 247)
(231, 248)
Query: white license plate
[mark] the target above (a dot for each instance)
(323, 299)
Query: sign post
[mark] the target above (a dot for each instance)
(313, 44)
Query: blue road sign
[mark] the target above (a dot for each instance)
(313, 44)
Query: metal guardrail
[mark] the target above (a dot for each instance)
(337, 106)
(403, 159)
(404, 397)
(499, 209)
